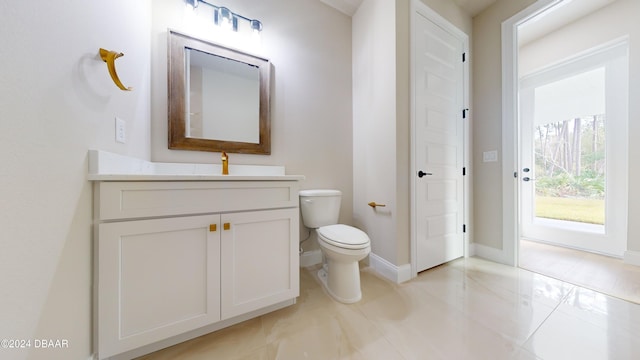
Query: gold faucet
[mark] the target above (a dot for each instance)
(225, 163)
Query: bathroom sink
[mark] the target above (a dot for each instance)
(105, 166)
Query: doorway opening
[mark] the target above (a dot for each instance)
(568, 90)
(439, 139)
(573, 153)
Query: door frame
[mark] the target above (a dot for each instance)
(607, 56)
(510, 134)
(416, 7)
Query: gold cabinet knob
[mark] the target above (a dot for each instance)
(226, 226)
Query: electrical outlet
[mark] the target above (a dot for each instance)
(121, 131)
(490, 156)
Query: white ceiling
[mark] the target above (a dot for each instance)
(561, 15)
(474, 7)
(349, 7)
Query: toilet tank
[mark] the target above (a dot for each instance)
(320, 207)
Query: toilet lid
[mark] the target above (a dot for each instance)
(344, 236)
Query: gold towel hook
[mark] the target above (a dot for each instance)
(110, 58)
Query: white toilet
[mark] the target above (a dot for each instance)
(342, 245)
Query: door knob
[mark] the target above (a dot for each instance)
(525, 170)
(526, 178)
(422, 173)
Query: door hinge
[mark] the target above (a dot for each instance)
(464, 171)
(464, 113)
(464, 228)
(464, 57)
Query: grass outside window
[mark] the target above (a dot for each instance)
(571, 209)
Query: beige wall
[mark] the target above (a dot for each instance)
(487, 119)
(374, 125)
(57, 101)
(381, 141)
(309, 45)
(454, 14)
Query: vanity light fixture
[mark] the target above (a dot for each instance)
(227, 19)
(256, 26)
(224, 18)
(192, 3)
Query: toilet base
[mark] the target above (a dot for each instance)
(345, 288)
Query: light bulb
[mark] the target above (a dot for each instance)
(192, 4)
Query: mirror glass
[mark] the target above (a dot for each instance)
(231, 90)
(218, 98)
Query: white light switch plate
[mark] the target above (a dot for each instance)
(121, 131)
(490, 156)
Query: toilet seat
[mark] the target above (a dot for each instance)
(344, 236)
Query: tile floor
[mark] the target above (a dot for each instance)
(467, 309)
(593, 271)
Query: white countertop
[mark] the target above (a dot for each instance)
(105, 166)
(193, 177)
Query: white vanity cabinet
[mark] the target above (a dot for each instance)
(256, 257)
(178, 259)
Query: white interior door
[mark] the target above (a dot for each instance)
(573, 118)
(438, 104)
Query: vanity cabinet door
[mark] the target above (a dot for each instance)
(259, 260)
(157, 278)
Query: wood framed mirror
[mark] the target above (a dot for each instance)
(218, 98)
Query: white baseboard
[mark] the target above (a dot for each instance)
(471, 250)
(310, 258)
(489, 253)
(397, 274)
(632, 257)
